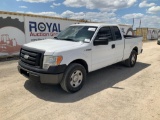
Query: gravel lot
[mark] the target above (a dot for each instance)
(112, 93)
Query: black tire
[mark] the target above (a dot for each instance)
(131, 61)
(74, 78)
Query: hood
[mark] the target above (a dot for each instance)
(51, 45)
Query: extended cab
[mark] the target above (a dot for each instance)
(76, 51)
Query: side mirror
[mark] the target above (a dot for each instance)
(101, 41)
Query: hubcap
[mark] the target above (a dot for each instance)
(76, 78)
(133, 59)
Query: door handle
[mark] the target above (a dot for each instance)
(113, 46)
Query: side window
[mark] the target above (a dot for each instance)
(105, 32)
(117, 33)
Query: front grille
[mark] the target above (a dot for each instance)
(31, 57)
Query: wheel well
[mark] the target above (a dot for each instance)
(82, 62)
(136, 49)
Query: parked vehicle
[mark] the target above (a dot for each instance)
(158, 41)
(76, 51)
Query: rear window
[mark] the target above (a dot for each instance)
(117, 33)
(105, 32)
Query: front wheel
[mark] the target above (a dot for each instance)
(131, 61)
(73, 78)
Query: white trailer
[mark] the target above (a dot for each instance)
(152, 34)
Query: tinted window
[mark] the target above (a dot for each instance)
(105, 32)
(117, 33)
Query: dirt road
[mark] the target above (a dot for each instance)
(112, 93)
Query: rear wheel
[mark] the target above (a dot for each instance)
(73, 78)
(131, 61)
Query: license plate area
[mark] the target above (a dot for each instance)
(25, 73)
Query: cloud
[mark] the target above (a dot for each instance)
(153, 9)
(103, 5)
(55, 4)
(134, 15)
(51, 14)
(149, 21)
(72, 15)
(23, 6)
(145, 4)
(92, 16)
(36, 1)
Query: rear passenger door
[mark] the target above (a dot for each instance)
(119, 43)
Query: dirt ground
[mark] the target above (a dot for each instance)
(112, 93)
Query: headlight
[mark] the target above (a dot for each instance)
(51, 61)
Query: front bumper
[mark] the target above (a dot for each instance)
(48, 77)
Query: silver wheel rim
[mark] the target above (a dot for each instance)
(76, 78)
(133, 59)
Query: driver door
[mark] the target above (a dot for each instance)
(103, 54)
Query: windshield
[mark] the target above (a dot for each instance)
(77, 33)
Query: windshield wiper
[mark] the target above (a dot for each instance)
(69, 39)
(56, 38)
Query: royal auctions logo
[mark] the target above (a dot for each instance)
(44, 29)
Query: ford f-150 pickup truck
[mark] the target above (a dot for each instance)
(76, 51)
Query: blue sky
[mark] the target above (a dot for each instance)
(109, 11)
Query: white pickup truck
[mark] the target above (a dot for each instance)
(76, 51)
